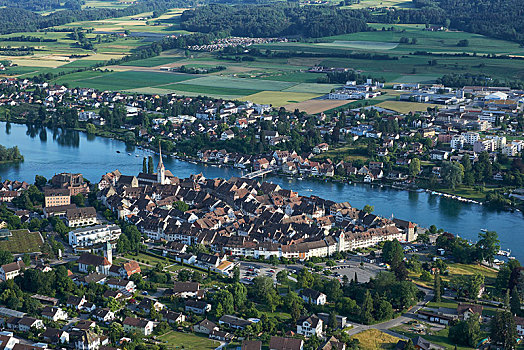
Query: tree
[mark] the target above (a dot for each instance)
(150, 165)
(414, 167)
(466, 332)
(488, 246)
(383, 309)
(452, 173)
(332, 320)
(514, 302)
(40, 181)
(5, 257)
(368, 208)
(144, 165)
(181, 205)
(437, 288)
(282, 277)
(90, 128)
(503, 329)
(392, 252)
(366, 311)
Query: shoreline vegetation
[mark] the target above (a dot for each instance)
(10, 155)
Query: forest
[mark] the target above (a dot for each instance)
(502, 19)
(17, 19)
(274, 20)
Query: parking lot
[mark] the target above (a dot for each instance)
(348, 267)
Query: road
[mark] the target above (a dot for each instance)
(404, 318)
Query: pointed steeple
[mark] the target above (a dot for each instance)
(160, 170)
(160, 163)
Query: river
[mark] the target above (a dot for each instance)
(48, 152)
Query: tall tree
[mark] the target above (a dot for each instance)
(144, 165)
(514, 303)
(366, 311)
(437, 288)
(150, 165)
(488, 246)
(504, 330)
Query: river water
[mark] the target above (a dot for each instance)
(48, 152)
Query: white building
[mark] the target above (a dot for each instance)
(308, 326)
(457, 142)
(89, 236)
(471, 137)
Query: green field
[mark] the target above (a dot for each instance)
(153, 61)
(187, 341)
(22, 241)
(123, 80)
(209, 90)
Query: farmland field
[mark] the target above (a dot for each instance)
(279, 98)
(153, 61)
(361, 45)
(316, 106)
(125, 80)
(241, 83)
(209, 90)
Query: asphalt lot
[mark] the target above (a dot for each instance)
(348, 267)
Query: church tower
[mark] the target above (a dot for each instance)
(160, 170)
(108, 252)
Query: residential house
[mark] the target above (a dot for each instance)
(283, 343)
(54, 313)
(11, 270)
(312, 296)
(138, 325)
(104, 315)
(205, 327)
(198, 307)
(310, 325)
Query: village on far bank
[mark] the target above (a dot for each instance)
(153, 261)
(467, 144)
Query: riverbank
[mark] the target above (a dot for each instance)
(469, 195)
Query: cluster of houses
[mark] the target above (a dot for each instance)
(235, 41)
(242, 217)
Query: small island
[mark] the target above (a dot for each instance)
(10, 155)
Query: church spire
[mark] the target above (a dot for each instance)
(160, 163)
(160, 170)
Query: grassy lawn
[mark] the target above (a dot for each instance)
(444, 303)
(187, 341)
(148, 259)
(347, 152)
(464, 191)
(456, 269)
(373, 339)
(22, 241)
